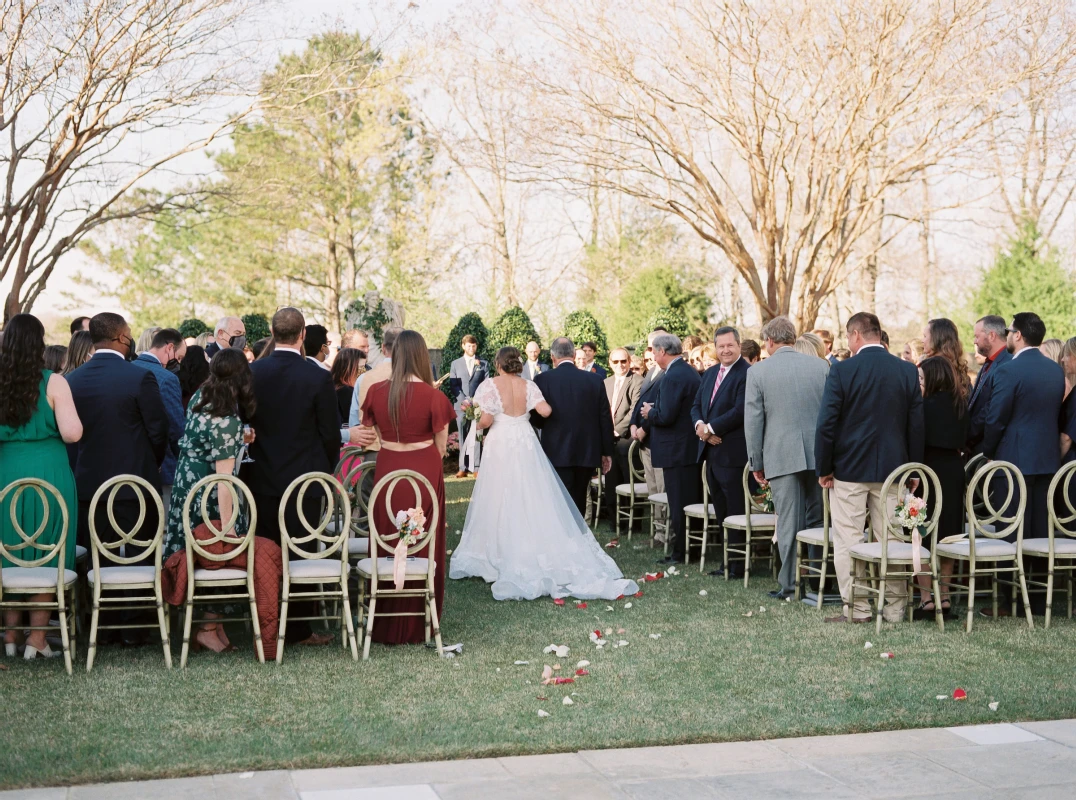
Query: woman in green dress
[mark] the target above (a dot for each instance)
(37, 415)
(210, 445)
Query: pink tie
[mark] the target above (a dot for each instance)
(717, 383)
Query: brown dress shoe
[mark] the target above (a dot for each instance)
(475, 473)
(461, 474)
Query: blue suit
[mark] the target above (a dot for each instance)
(172, 397)
(979, 400)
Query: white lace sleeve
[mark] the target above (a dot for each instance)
(534, 395)
(488, 398)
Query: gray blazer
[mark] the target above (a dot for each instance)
(784, 393)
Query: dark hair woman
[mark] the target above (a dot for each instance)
(55, 354)
(193, 372)
(211, 442)
(945, 411)
(412, 419)
(348, 365)
(941, 338)
(79, 351)
(37, 415)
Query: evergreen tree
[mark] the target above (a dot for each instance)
(469, 323)
(192, 328)
(582, 326)
(671, 319)
(512, 329)
(257, 326)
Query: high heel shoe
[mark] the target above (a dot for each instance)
(32, 652)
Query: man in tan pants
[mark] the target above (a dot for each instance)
(848, 505)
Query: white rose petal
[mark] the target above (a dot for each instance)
(582, 664)
(994, 706)
(655, 636)
(542, 713)
(868, 646)
(568, 701)
(627, 605)
(702, 593)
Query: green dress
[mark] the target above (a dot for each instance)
(206, 440)
(35, 450)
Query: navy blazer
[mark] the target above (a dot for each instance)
(595, 369)
(979, 401)
(724, 416)
(124, 424)
(296, 424)
(1022, 419)
(580, 429)
(871, 418)
(172, 397)
(673, 442)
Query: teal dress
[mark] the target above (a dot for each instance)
(206, 440)
(35, 450)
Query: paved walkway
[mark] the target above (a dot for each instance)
(983, 762)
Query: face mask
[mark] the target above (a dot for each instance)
(172, 366)
(238, 342)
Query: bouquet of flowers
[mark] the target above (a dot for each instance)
(765, 499)
(410, 524)
(472, 412)
(453, 445)
(911, 512)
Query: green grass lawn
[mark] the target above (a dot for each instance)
(713, 675)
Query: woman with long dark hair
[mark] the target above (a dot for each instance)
(37, 415)
(210, 445)
(941, 338)
(945, 411)
(193, 372)
(348, 365)
(412, 419)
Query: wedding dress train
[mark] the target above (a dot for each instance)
(523, 533)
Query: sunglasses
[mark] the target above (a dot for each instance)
(1011, 330)
(618, 361)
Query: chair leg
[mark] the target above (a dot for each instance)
(348, 622)
(822, 580)
(431, 603)
(747, 559)
(1023, 593)
(65, 635)
(283, 625)
(939, 615)
(705, 542)
(631, 518)
(1049, 592)
(163, 625)
(851, 594)
(971, 599)
(255, 623)
(91, 651)
(369, 625)
(186, 634)
(878, 582)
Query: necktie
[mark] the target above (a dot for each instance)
(717, 383)
(618, 384)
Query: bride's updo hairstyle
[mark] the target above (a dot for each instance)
(508, 361)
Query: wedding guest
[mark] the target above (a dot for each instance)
(780, 428)
(913, 351)
(80, 324)
(672, 434)
(259, 347)
(717, 412)
(55, 354)
(827, 341)
(316, 345)
(37, 415)
(1051, 348)
(379, 373)
(203, 340)
(533, 367)
(266, 349)
(1067, 360)
(691, 342)
(590, 350)
(750, 351)
(622, 388)
(411, 418)
(941, 338)
(465, 376)
(347, 367)
(638, 366)
(79, 351)
(640, 428)
(193, 372)
(884, 341)
(694, 358)
(843, 354)
(227, 332)
(356, 339)
(989, 339)
(945, 414)
(648, 360)
(870, 422)
(811, 345)
(708, 356)
(167, 346)
(210, 444)
(580, 360)
(145, 340)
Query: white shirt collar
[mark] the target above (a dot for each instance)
(319, 363)
(110, 351)
(872, 344)
(287, 348)
(730, 366)
(1024, 350)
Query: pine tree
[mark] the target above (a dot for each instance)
(512, 329)
(582, 326)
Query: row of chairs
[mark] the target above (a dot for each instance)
(123, 569)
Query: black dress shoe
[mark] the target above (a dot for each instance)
(720, 573)
(780, 594)
(670, 560)
(134, 638)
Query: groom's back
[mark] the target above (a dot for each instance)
(580, 429)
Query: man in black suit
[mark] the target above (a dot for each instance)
(590, 349)
(990, 344)
(578, 436)
(622, 389)
(673, 444)
(718, 413)
(297, 430)
(125, 431)
(870, 422)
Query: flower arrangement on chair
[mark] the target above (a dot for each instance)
(764, 498)
(411, 524)
(911, 514)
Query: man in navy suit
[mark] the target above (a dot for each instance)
(640, 430)
(990, 344)
(718, 414)
(578, 436)
(465, 376)
(590, 350)
(673, 443)
(870, 423)
(167, 345)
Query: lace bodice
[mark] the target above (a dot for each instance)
(488, 398)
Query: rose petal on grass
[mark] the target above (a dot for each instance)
(542, 713)
(547, 673)
(608, 631)
(994, 706)
(558, 601)
(655, 636)
(703, 593)
(627, 605)
(748, 614)
(580, 605)
(567, 701)
(638, 593)
(581, 664)
(622, 643)
(556, 667)
(868, 646)
(762, 609)
(579, 673)
(959, 694)
(612, 544)
(941, 697)
(542, 698)
(522, 663)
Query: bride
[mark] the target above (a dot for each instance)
(523, 532)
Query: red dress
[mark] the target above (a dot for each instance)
(424, 411)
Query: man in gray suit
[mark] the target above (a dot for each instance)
(532, 368)
(465, 376)
(639, 428)
(784, 393)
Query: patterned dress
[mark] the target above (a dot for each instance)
(206, 440)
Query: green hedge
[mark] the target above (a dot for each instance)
(671, 319)
(512, 329)
(192, 328)
(582, 326)
(257, 326)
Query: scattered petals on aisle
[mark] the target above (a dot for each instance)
(558, 601)
(567, 701)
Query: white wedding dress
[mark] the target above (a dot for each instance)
(523, 532)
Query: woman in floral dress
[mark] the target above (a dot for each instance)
(210, 445)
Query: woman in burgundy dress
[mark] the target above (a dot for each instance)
(412, 419)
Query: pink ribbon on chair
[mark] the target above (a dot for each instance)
(399, 563)
(917, 544)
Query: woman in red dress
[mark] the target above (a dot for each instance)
(412, 419)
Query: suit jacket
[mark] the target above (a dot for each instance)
(172, 397)
(624, 405)
(648, 393)
(295, 423)
(1022, 418)
(529, 372)
(594, 369)
(979, 401)
(580, 429)
(724, 415)
(673, 442)
(871, 418)
(124, 424)
(784, 393)
(462, 384)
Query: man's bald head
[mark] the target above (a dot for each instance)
(288, 326)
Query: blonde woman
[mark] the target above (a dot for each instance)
(1051, 348)
(708, 357)
(811, 344)
(913, 351)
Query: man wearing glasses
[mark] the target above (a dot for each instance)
(622, 389)
(228, 330)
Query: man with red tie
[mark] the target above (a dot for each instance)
(718, 417)
(989, 341)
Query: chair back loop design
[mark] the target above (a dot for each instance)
(383, 491)
(1062, 510)
(326, 543)
(989, 497)
(17, 553)
(226, 534)
(112, 549)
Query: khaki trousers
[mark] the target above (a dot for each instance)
(848, 503)
(655, 482)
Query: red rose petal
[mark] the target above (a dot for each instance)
(960, 694)
(581, 672)
(639, 593)
(580, 605)
(558, 601)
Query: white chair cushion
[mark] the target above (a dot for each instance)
(595, 481)
(992, 549)
(1063, 546)
(44, 578)
(812, 536)
(80, 552)
(695, 510)
(898, 551)
(757, 521)
(225, 574)
(624, 489)
(661, 497)
(316, 568)
(358, 547)
(415, 567)
(114, 576)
